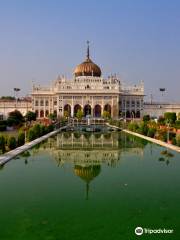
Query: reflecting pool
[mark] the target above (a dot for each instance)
(90, 186)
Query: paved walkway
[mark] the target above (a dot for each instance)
(11, 154)
(167, 145)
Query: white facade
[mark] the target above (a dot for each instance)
(7, 106)
(90, 92)
(158, 109)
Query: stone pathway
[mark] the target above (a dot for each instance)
(167, 145)
(11, 154)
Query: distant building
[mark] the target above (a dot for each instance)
(158, 109)
(7, 106)
(90, 92)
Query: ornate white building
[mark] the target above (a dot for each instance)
(90, 92)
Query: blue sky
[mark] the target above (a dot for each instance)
(138, 40)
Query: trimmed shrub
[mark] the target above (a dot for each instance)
(3, 122)
(172, 135)
(174, 142)
(133, 126)
(161, 120)
(2, 144)
(2, 128)
(178, 140)
(170, 116)
(143, 128)
(37, 130)
(12, 143)
(50, 128)
(146, 118)
(21, 139)
(31, 135)
(177, 124)
(151, 132)
(43, 130)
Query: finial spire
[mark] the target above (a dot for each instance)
(87, 49)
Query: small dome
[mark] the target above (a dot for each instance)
(87, 68)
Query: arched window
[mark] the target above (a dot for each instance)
(76, 108)
(127, 114)
(87, 110)
(67, 109)
(97, 111)
(37, 113)
(107, 108)
(47, 113)
(42, 103)
(41, 113)
(138, 114)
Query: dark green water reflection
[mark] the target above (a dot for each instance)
(91, 186)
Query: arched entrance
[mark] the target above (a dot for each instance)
(107, 108)
(128, 114)
(47, 113)
(87, 110)
(76, 108)
(67, 110)
(37, 113)
(133, 115)
(41, 114)
(138, 115)
(97, 111)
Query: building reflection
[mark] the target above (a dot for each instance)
(87, 152)
(87, 174)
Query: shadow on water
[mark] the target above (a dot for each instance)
(166, 157)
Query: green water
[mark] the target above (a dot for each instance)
(99, 186)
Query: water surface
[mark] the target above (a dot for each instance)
(90, 186)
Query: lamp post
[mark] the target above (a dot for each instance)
(25, 129)
(162, 90)
(168, 125)
(16, 90)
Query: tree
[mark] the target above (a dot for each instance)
(52, 116)
(143, 128)
(66, 114)
(79, 114)
(179, 116)
(151, 132)
(30, 116)
(31, 135)
(177, 124)
(2, 144)
(146, 118)
(8, 98)
(170, 117)
(3, 124)
(161, 120)
(37, 130)
(15, 118)
(12, 143)
(133, 126)
(106, 115)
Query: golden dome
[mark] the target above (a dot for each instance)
(87, 173)
(87, 68)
